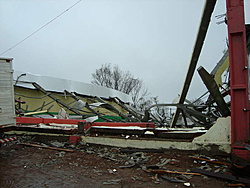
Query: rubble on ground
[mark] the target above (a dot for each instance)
(140, 166)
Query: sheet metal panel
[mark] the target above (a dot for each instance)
(59, 85)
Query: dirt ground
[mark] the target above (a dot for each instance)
(99, 166)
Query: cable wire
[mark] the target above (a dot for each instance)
(41, 27)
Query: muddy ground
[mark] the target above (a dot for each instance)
(99, 166)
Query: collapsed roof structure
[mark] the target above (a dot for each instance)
(93, 103)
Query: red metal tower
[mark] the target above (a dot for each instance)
(238, 78)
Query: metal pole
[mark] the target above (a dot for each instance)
(205, 20)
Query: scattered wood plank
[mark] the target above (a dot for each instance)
(46, 147)
(221, 176)
(236, 185)
(210, 161)
(171, 172)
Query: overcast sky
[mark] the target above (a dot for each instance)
(153, 39)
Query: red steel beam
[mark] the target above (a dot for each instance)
(238, 78)
(31, 120)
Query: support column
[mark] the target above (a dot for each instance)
(238, 78)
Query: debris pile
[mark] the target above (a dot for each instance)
(158, 166)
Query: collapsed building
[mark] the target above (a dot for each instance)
(53, 105)
(45, 104)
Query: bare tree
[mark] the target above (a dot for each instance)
(124, 81)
